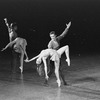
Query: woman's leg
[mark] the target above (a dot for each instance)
(67, 55)
(21, 61)
(24, 44)
(66, 50)
(45, 68)
(61, 74)
(57, 72)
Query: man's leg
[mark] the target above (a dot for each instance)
(61, 74)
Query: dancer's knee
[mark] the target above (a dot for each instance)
(67, 47)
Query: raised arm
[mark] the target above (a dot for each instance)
(65, 31)
(9, 29)
(32, 59)
(5, 19)
(8, 45)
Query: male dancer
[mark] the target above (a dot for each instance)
(55, 44)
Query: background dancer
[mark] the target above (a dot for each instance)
(12, 28)
(19, 47)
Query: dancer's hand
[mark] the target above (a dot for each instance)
(68, 25)
(26, 60)
(5, 19)
(11, 24)
(3, 49)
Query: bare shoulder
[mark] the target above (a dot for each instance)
(20, 39)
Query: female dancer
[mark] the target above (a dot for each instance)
(55, 56)
(19, 46)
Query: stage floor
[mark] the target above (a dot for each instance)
(83, 77)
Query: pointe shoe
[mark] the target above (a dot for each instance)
(59, 83)
(21, 69)
(68, 61)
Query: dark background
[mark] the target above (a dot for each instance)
(36, 18)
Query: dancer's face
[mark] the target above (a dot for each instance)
(53, 36)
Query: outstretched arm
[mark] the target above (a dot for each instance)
(65, 31)
(9, 29)
(32, 59)
(8, 45)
